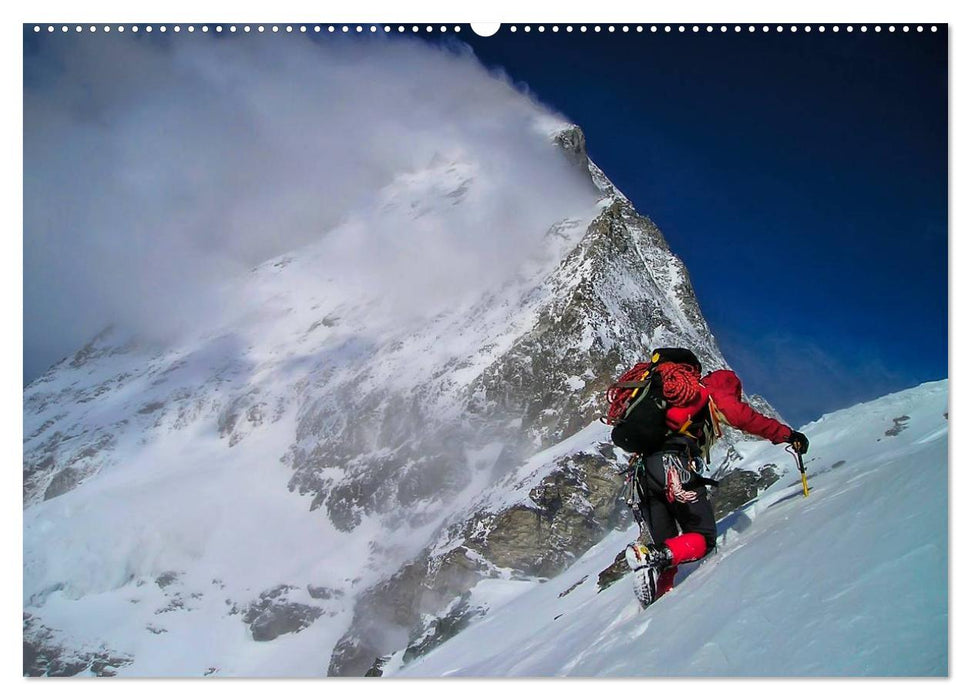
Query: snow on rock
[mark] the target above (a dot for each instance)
(851, 581)
(328, 435)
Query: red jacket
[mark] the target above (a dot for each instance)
(725, 388)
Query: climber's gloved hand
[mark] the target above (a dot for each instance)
(799, 442)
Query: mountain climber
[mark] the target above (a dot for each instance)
(668, 415)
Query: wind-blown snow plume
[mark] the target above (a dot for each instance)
(156, 168)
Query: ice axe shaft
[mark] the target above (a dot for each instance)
(802, 471)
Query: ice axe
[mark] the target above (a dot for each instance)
(802, 469)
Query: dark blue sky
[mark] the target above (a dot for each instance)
(801, 177)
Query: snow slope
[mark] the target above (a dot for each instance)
(849, 582)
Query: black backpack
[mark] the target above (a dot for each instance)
(638, 409)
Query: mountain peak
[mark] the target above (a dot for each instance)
(406, 392)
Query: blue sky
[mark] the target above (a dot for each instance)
(801, 177)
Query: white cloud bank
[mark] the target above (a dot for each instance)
(157, 168)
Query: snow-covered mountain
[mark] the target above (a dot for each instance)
(322, 477)
(851, 581)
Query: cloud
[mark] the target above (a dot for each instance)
(156, 169)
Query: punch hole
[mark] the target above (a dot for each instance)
(485, 28)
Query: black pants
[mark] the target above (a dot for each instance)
(663, 518)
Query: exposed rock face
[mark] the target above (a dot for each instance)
(899, 425)
(566, 513)
(377, 668)
(437, 630)
(613, 573)
(739, 487)
(44, 656)
(272, 615)
(560, 517)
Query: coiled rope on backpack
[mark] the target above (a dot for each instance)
(680, 383)
(624, 390)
